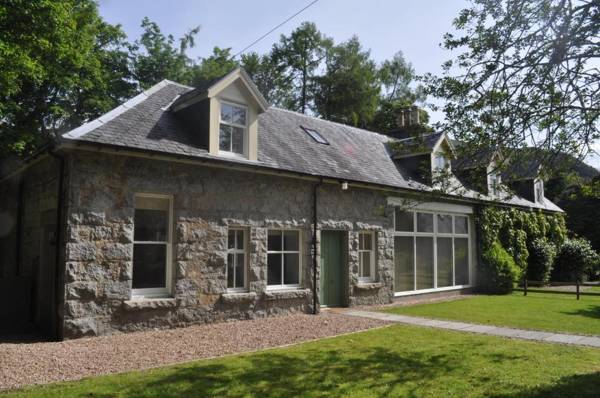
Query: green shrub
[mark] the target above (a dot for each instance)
(500, 273)
(575, 258)
(540, 260)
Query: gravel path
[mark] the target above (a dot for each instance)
(39, 363)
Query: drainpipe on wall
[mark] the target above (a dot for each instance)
(59, 275)
(314, 244)
(19, 227)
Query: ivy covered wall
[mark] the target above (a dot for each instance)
(512, 230)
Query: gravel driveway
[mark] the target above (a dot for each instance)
(39, 363)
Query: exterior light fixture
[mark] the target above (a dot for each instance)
(344, 186)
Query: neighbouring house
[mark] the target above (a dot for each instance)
(185, 206)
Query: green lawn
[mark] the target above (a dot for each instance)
(398, 361)
(541, 311)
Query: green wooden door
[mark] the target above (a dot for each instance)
(332, 268)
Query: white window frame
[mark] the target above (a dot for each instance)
(166, 290)
(235, 252)
(494, 181)
(244, 126)
(435, 234)
(371, 278)
(283, 252)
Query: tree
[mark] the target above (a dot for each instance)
(268, 77)
(528, 75)
(155, 57)
(61, 65)
(298, 56)
(216, 65)
(349, 90)
(396, 77)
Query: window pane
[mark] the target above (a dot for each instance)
(424, 222)
(291, 269)
(149, 266)
(150, 225)
(424, 262)
(230, 270)
(404, 263)
(404, 221)
(444, 262)
(365, 259)
(226, 113)
(225, 138)
(461, 225)
(231, 239)
(239, 115)
(274, 269)
(461, 260)
(290, 241)
(444, 224)
(239, 271)
(365, 241)
(237, 140)
(240, 239)
(274, 241)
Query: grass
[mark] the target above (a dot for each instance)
(540, 311)
(397, 361)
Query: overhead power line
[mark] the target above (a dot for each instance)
(275, 28)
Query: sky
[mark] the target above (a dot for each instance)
(384, 26)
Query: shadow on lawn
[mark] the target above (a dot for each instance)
(325, 373)
(580, 386)
(590, 312)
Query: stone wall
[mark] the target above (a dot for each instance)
(205, 202)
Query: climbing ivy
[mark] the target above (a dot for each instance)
(515, 230)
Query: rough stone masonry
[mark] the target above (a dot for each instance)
(206, 201)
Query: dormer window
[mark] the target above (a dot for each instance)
(441, 162)
(539, 190)
(493, 184)
(232, 128)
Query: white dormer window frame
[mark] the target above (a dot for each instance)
(233, 127)
(494, 181)
(441, 161)
(538, 190)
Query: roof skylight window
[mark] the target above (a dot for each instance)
(315, 135)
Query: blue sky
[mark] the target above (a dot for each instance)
(384, 26)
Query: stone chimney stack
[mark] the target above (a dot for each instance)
(408, 116)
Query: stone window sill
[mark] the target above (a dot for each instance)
(287, 294)
(149, 303)
(237, 297)
(368, 285)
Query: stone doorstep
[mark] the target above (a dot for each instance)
(368, 286)
(287, 294)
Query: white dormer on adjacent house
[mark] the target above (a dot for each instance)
(494, 176)
(538, 190)
(225, 114)
(441, 155)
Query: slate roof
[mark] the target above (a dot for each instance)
(413, 145)
(356, 155)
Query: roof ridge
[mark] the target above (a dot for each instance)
(119, 110)
(332, 122)
(177, 84)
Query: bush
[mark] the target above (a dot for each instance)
(575, 257)
(540, 260)
(500, 272)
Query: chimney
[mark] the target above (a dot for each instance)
(409, 123)
(408, 116)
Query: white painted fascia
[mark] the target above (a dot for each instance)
(430, 206)
(94, 124)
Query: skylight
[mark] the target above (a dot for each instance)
(315, 135)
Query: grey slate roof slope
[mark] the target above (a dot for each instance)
(145, 123)
(414, 145)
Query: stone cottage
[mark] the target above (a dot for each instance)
(190, 205)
